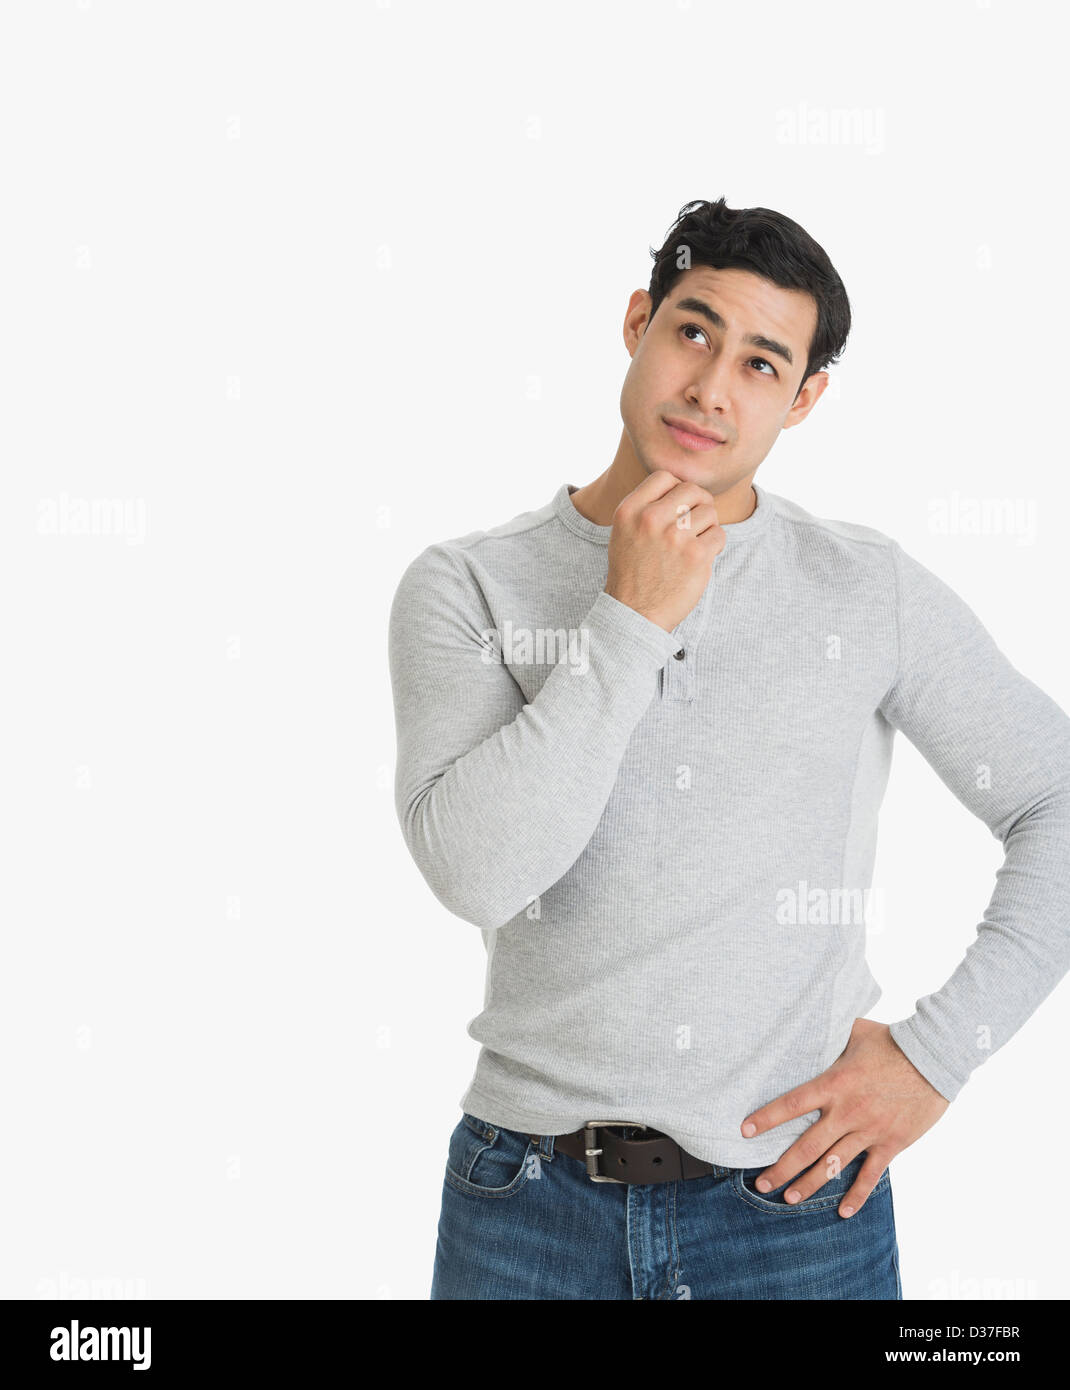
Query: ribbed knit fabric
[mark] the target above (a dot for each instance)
(670, 858)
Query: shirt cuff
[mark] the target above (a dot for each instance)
(617, 620)
(905, 1036)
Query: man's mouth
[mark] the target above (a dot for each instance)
(693, 436)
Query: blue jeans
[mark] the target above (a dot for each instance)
(520, 1221)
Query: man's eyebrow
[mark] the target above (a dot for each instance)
(691, 305)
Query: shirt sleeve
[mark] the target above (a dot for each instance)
(497, 798)
(1003, 747)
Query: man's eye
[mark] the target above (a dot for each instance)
(694, 328)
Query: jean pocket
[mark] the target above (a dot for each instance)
(829, 1195)
(488, 1161)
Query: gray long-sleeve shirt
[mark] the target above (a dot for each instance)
(667, 839)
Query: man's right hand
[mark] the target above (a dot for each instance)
(664, 541)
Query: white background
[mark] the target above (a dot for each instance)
(305, 287)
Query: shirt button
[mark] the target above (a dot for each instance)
(679, 655)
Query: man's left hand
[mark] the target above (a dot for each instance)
(872, 1097)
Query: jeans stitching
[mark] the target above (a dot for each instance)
(814, 1203)
(674, 1243)
(460, 1182)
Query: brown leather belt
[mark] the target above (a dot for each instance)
(609, 1157)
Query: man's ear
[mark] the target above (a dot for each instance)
(636, 319)
(808, 396)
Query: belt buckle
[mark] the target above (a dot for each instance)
(592, 1153)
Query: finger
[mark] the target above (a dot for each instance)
(830, 1165)
(868, 1178)
(677, 502)
(689, 494)
(790, 1106)
(806, 1150)
(653, 486)
(701, 518)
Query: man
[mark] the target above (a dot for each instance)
(643, 736)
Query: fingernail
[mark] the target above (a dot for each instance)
(763, 1185)
(792, 1196)
(848, 1211)
(749, 1129)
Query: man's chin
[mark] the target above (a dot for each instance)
(689, 468)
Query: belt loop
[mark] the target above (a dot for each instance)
(546, 1146)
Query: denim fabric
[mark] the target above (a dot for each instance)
(521, 1221)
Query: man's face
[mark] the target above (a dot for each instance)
(722, 368)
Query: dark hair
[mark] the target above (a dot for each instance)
(768, 244)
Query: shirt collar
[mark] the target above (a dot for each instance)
(736, 531)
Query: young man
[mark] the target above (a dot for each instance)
(643, 735)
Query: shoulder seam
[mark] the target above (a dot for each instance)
(885, 542)
(452, 555)
(893, 548)
(471, 540)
